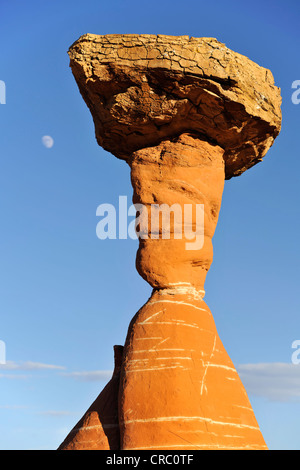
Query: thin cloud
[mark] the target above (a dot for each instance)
(90, 376)
(55, 413)
(15, 376)
(26, 366)
(274, 381)
(13, 407)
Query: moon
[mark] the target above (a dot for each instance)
(48, 142)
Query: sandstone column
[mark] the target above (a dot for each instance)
(185, 114)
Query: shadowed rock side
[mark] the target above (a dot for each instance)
(98, 429)
(186, 114)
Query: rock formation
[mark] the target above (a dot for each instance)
(185, 114)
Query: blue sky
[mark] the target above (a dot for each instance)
(65, 296)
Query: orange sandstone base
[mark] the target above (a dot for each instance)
(178, 386)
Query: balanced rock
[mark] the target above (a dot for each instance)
(185, 114)
(142, 89)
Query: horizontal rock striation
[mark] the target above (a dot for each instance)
(178, 386)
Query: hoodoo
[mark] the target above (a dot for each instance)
(186, 114)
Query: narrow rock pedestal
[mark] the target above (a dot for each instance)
(178, 177)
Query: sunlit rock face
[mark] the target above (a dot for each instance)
(185, 114)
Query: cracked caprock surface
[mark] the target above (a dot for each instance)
(142, 89)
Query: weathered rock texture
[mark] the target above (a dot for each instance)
(186, 114)
(184, 170)
(179, 389)
(142, 89)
